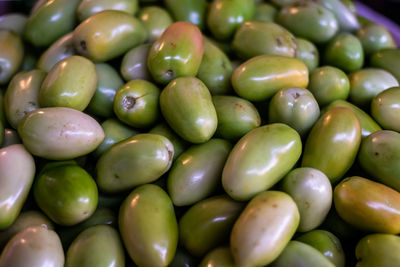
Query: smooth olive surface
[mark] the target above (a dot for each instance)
(108, 34)
(208, 224)
(333, 143)
(34, 246)
(366, 83)
(70, 83)
(148, 226)
(60, 133)
(261, 77)
(66, 193)
(22, 95)
(98, 245)
(17, 170)
(379, 155)
(121, 166)
(11, 55)
(312, 192)
(385, 109)
(378, 250)
(134, 63)
(236, 116)
(177, 53)
(368, 205)
(260, 159)
(296, 107)
(186, 105)
(264, 228)
(196, 173)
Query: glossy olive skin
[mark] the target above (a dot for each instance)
(208, 224)
(261, 77)
(14, 22)
(148, 226)
(108, 83)
(236, 116)
(265, 12)
(368, 205)
(366, 83)
(155, 19)
(108, 34)
(296, 107)
(196, 173)
(66, 193)
(88, 8)
(328, 84)
(347, 20)
(216, 69)
(101, 216)
(59, 133)
(379, 156)
(255, 243)
(260, 159)
(187, 10)
(308, 20)
(17, 170)
(136, 104)
(385, 109)
(345, 52)
(51, 21)
(220, 256)
(326, 243)
(98, 245)
(333, 143)
(121, 166)
(25, 219)
(378, 250)
(254, 38)
(11, 55)
(368, 125)
(187, 107)
(178, 52)
(57, 51)
(70, 83)
(312, 192)
(308, 53)
(35, 246)
(134, 63)
(114, 131)
(375, 37)
(300, 254)
(387, 59)
(22, 95)
(225, 16)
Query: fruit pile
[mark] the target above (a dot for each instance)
(198, 133)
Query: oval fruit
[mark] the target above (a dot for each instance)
(260, 159)
(333, 143)
(264, 228)
(368, 205)
(178, 52)
(99, 246)
(148, 226)
(121, 166)
(36, 246)
(187, 107)
(60, 133)
(261, 77)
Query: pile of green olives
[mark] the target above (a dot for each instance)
(198, 133)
